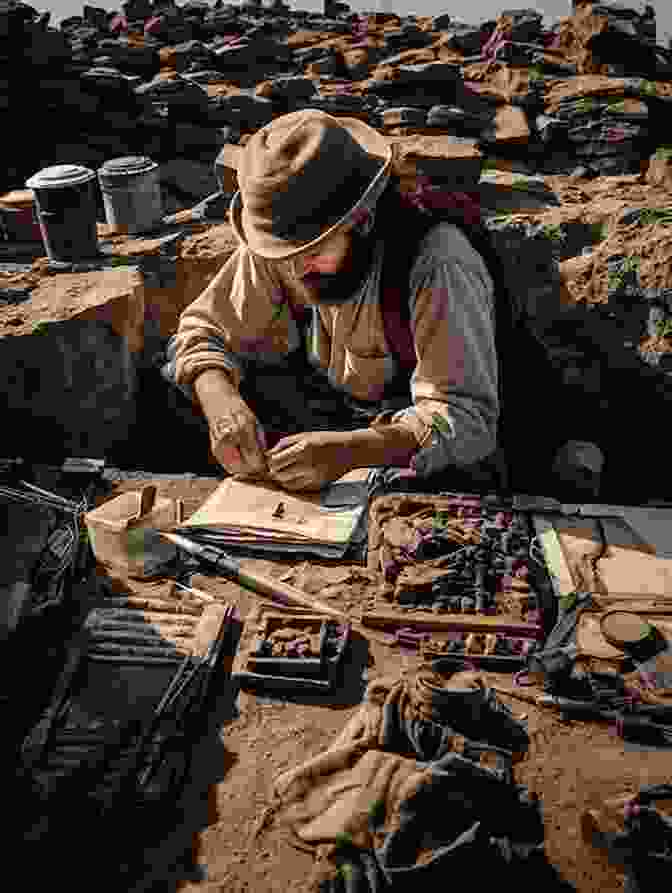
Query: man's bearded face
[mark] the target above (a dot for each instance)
(332, 273)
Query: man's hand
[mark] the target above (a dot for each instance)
(236, 439)
(310, 461)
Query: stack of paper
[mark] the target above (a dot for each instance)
(263, 517)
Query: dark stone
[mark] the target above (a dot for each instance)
(466, 38)
(245, 112)
(71, 22)
(441, 22)
(630, 54)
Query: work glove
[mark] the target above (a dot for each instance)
(311, 460)
(237, 439)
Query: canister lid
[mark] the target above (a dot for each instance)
(60, 175)
(623, 629)
(129, 164)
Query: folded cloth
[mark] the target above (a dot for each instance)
(370, 790)
(385, 817)
(644, 847)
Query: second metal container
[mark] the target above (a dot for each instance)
(131, 193)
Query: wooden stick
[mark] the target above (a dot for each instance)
(122, 658)
(455, 622)
(129, 650)
(151, 604)
(526, 696)
(138, 618)
(136, 630)
(98, 634)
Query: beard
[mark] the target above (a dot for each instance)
(338, 288)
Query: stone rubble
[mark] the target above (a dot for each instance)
(138, 81)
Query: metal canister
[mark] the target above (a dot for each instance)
(17, 216)
(65, 197)
(630, 633)
(131, 193)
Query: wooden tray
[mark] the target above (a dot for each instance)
(388, 515)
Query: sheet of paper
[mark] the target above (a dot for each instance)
(268, 512)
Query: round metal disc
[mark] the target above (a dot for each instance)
(623, 628)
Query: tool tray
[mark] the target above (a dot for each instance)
(277, 661)
(458, 578)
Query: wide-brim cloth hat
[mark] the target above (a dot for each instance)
(303, 178)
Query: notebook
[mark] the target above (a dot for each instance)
(262, 517)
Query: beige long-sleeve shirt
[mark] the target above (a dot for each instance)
(242, 315)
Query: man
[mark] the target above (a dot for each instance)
(321, 230)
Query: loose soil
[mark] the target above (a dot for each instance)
(572, 766)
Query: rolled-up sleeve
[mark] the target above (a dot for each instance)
(455, 383)
(241, 315)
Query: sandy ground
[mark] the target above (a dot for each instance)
(572, 766)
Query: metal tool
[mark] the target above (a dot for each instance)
(152, 604)
(199, 678)
(36, 742)
(198, 592)
(143, 659)
(139, 618)
(120, 648)
(454, 622)
(262, 682)
(635, 716)
(229, 567)
(407, 637)
(650, 523)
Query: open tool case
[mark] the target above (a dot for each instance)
(459, 579)
(294, 653)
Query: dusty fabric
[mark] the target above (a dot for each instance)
(241, 322)
(644, 847)
(385, 804)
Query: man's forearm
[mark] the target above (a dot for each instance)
(212, 388)
(393, 445)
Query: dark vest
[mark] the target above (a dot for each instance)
(527, 382)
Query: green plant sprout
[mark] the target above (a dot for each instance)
(519, 183)
(651, 216)
(40, 327)
(377, 812)
(278, 312)
(440, 519)
(630, 264)
(345, 871)
(568, 601)
(536, 74)
(135, 543)
(343, 839)
(440, 425)
(664, 328)
(663, 153)
(488, 164)
(614, 281)
(599, 231)
(503, 218)
(648, 88)
(585, 105)
(553, 231)
(618, 106)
